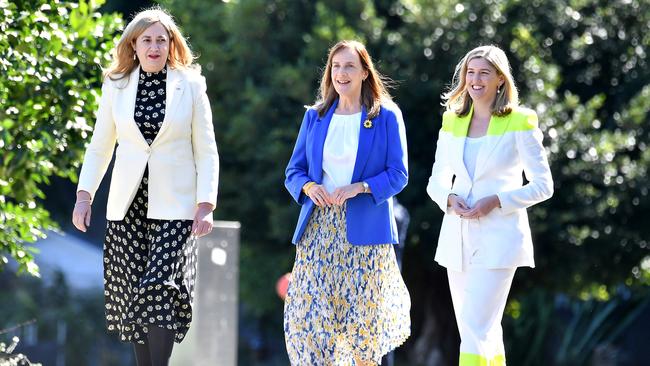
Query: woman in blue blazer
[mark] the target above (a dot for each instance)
(347, 301)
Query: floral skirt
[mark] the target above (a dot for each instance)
(149, 273)
(344, 301)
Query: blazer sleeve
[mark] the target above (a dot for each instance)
(536, 168)
(440, 182)
(298, 168)
(102, 143)
(394, 178)
(206, 155)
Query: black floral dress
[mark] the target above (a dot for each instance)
(149, 265)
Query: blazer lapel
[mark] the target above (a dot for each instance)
(320, 133)
(173, 90)
(461, 126)
(496, 130)
(128, 95)
(366, 136)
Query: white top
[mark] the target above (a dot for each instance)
(340, 150)
(470, 154)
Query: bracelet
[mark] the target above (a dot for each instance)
(82, 201)
(306, 187)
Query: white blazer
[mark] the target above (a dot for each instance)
(183, 159)
(513, 145)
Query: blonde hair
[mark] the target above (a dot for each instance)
(458, 100)
(373, 88)
(124, 60)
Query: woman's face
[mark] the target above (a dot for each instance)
(482, 80)
(347, 73)
(152, 48)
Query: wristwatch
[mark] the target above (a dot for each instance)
(366, 187)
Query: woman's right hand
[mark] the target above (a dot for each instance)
(457, 204)
(319, 195)
(82, 211)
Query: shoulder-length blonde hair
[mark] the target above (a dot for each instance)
(373, 88)
(124, 60)
(458, 100)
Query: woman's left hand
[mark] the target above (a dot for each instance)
(202, 224)
(343, 193)
(482, 207)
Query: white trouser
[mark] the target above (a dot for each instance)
(479, 296)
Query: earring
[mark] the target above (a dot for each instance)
(134, 57)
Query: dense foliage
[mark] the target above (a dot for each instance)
(581, 64)
(50, 58)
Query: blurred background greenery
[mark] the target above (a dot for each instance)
(581, 64)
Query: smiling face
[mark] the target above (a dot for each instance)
(482, 80)
(347, 73)
(152, 48)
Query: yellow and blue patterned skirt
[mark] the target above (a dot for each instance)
(344, 302)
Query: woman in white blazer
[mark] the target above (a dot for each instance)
(163, 187)
(485, 143)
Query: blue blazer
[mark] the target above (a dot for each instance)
(381, 162)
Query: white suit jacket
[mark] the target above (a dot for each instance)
(513, 145)
(183, 159)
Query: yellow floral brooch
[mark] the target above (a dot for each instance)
(367, 124)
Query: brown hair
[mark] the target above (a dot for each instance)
(373, 88)
(124, 60)
(458, 100)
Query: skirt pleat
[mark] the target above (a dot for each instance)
(344, 301)
(149, 273)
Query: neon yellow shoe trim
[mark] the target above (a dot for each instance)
(499, 360)
(470, 359)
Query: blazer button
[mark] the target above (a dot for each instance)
(148, 150)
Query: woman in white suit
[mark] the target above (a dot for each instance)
(485, 144)
(163, 187)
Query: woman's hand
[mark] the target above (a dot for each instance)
(202, 224)
(457, 204)
(482, 207)
(319, 195)
(82, 211)
(341, 194)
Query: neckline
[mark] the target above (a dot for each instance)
(347, 115)
(160, 72)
